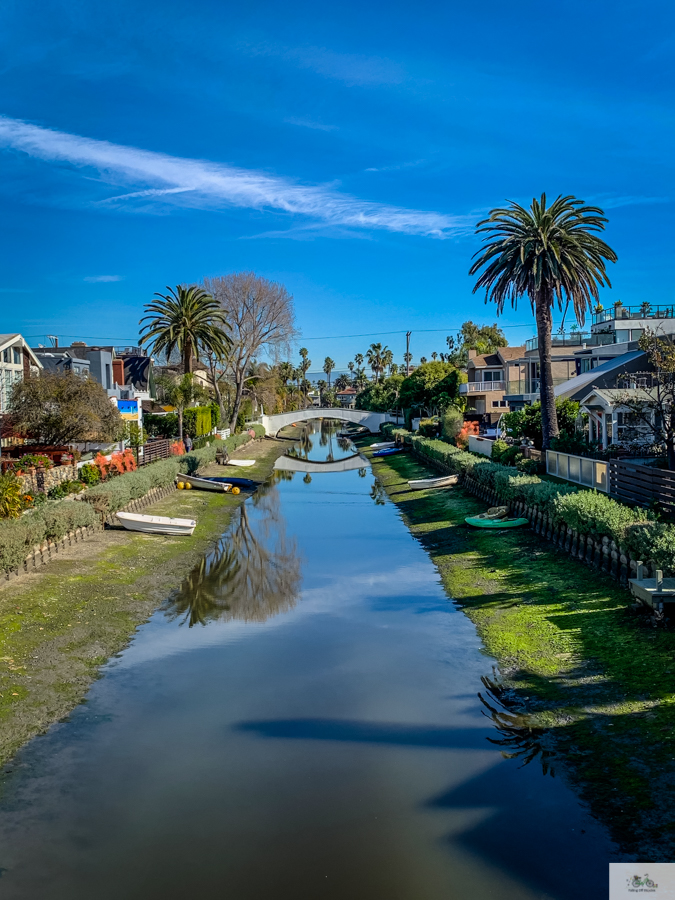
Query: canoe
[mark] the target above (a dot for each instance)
(205, 484)
(384, 445)
(389, 451)
(421, 484)
(479, 522)
(156, 524)
(244, 463)
(244, 484)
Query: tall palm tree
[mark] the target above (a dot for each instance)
(358, 359)
(434, 356)
(376, 355)
(350, 366)
(304, 367)
(328, 366)
(387, 358)
(553, 255)
(186, 319)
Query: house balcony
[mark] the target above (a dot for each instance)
(481, 387)
(575, 339)
(644, 311)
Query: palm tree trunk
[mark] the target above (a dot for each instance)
(187, 359)
(180, 423)
(549, 417)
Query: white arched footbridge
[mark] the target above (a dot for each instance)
(369, 420)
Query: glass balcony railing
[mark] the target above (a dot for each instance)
(644, 311)
(575, 339)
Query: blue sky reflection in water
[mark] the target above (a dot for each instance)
(318, 736)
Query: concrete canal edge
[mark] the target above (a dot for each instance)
(59, 623)
(580, 675)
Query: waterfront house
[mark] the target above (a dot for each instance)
(17, 361)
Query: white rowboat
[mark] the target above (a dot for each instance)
(423, 484)
(385, 445)
(156, 524)
(204, 484)
(244, 463)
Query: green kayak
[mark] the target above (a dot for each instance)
(480, 522)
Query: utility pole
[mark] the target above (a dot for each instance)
(407, 353)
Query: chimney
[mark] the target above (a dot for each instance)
(472, 354)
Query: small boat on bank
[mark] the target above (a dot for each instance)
(389, 451)
(244, 484)
(383, 445)
(495, 517)
(244, 463)
(423, 484)
(156, 524)
(206, 484)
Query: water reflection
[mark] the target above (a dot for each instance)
(322, 443)
(252, 574)
(518, 736)
(378, 493)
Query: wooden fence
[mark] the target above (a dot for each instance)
(154, 450)
(642, 485)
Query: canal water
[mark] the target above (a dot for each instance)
(300, 721)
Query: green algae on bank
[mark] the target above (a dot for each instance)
(575, 661)
(59, 624)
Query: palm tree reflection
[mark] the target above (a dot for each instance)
(253, 572)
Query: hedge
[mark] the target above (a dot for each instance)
(588, 512)
(391, 430)
(112, 495)
(19, 536)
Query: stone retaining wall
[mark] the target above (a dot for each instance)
(599, 552)
(49, 550)
(41, 481)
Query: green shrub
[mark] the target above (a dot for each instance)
(528, 466)
(10, 496)
(451, 424)
(259, 431)
(652, 541)
(59, 491)
(19, 536)
(590, 512)
(428, 427)
(511, 456)
(90, 474)
(498, 449)
(156, 425)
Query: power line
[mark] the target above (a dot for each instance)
(336, 337)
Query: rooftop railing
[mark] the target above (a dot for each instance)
(644, 311)
(575, 339)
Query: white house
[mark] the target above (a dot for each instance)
(17, 361)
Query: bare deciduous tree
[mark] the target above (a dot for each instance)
(262, 320)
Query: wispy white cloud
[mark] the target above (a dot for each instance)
(310, 123)
(101, 279)
(204, 184)
(607, 201)
(395, 168)
(353, 69)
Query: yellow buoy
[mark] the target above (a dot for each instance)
(235, 490)
(180, 485)
(188, 486)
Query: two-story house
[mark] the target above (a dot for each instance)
(17, 361)
(490, 375)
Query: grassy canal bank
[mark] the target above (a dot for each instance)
(586, 686)
(60, 624)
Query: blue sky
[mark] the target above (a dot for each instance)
(346, 150)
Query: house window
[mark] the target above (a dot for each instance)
(503, 402)
(17, 355)
(107, 376)
(495, 403)
(585, 365)
(496, 375)
(6, 355)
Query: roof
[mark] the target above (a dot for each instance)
(487, 359)
(349, 390)
(6, 339)
(586, 379)
(610, 397)
(508, 353)
(502, 355)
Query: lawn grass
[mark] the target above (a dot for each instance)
(575, 660)
(61, 623)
